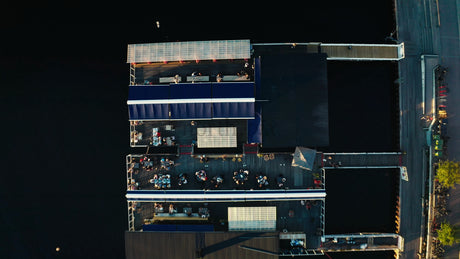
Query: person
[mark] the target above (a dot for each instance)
(262, 180)
(181, 179)
(171, 209)
(217, 181)
(308, 205)
(188, 210)
(158, 207)
(176, 79)
(281, 180)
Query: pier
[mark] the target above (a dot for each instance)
(362, 242)
(365, 160)
(351, 51)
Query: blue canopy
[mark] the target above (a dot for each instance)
(148, 92)
(186, 101)
(183, 111)
(227, 110)
(148, 112)
(233, 90)
(190, 91)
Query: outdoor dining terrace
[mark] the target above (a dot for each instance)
(291, 217)
(220, 172)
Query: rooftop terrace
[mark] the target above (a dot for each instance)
(290, 215)
(156, 73)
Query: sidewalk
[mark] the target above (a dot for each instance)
(450, 58)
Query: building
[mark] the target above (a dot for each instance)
(225, 164)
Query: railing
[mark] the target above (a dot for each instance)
(362, 242)
(224, 195)
(364, 160)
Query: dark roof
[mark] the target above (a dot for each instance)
(210, 245)
(294, 99)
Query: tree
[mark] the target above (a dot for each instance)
(448, 173)
(447, 234)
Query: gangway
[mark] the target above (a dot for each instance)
(362, 242)
(363, 52)
(363, 160)
(351, 51)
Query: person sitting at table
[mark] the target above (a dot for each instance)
(172, 209)
(217, 181)
(158, 207)
(280, 180)
(201, 176)
(182, 179)
(262, 180)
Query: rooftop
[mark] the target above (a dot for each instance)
(290, 215)
(186, 148)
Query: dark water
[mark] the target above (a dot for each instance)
(65, 119)
(363, 112)
(361, 201)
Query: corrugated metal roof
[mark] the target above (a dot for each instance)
(189, 50)
(252, 218)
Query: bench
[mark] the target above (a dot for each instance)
(197, 78)
(169, 79)
(177, 216)
(235, 78)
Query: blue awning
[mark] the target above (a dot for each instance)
(229, 110)
(184, 111)
(188, 101)
(148, 112)
(233, 90)
(148, 92)
(190, 91)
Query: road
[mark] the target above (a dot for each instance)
(427, 27)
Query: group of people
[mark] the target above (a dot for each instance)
(161, 181)
(158, 139)
(262, 180)
(240, 176)
(146, 163)
(166, 164)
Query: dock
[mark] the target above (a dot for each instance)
(365, 160)
(362, 242)
(350, 51)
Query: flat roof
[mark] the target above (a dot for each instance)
(208, 245)
(293, 96)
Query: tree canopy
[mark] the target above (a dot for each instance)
(447, 234)
(448, 173)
